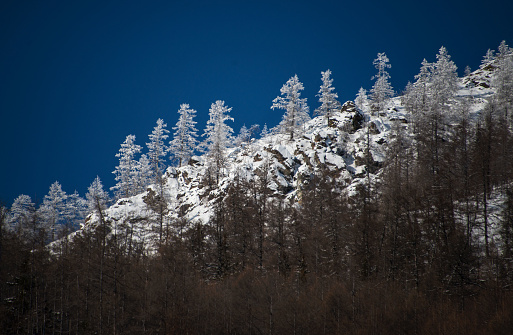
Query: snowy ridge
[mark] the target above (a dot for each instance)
(339, 148)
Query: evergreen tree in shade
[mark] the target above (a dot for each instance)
(22, 211)
(53, 208)
(218, 135)
(503, 80)
(157, 150)
(127, 170)
(76, 210)
(96, 197)
(185, 137)
(327, 97)
(382, 90)
(407, 99)
(361, 99)
(296, 109)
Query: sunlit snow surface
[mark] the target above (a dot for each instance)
(289, 163)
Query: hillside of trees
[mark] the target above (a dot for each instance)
(391, 215)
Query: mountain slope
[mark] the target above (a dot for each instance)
(284, 165)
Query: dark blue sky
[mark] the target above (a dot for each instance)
(76, 77)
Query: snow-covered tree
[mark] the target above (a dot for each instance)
(185, 137)
(361, 99)
(382, 90)
(408, 97)
(423, 79)
(127, 171)
(265, 131)
(504, 50)
(22, 214)
(418, 94)
(97, 198)
(76, 209)
(254, 130)
(296, 109)
(157, 150)
(218, 135)
(503, 80)
(53, 208)
(243, 137)
(488, 57)
(444, 80)
(327, 97)
(143, 173)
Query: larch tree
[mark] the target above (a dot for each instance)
(156, 155)
(422, 83)
(265, 131)
(503, 80)
(53, 208)
(488, 57)
(243, 137)
(416, 95)
(218, 136)
(96, 197)
(382, 90)
(127, 170)
(185, 139)
(144, 174)
(76, 208)
(327, 97)
(444, 80)
(296, 109)
(22, 212)
(361, 100)
(157, 151)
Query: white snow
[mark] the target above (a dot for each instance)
(289, 163)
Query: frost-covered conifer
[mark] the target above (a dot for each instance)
(503, 80)
(444, 79)
(53, 208)
(184, 141)
(408, 97)
(420, 91)
(253, 130)
(76, 209)
(96, 196)
(22, 212)
(243, 137)
(327, 97)
(157, 150)
(218, 135)
(504, 50)
(488, 57)
(265, 131)
(361, 99)
(382, 90)
(296, 109)
(127, 171)
(143, 173)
